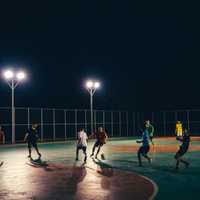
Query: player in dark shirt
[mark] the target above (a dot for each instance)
(185, 143)
(101, 137)
(31, 138)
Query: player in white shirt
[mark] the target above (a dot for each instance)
(82, 143)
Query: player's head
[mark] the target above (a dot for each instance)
(82, 129)
(178, 122)
(147, 122)
(34, 125)
(100, 129)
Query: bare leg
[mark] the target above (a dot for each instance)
(139, 159)
(184, 162)
(77, 152)
(36, 148)
(84, 151)
(147, 157)
(93, 150)
(177, 163)
(99, 148)
(29, 150)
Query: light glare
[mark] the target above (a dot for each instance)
(97, 85)
(89, 84)
(8, 74)
(21, 75)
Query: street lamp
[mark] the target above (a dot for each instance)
(92, 86)
(13, 79)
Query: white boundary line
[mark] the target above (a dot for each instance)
(156, 189)
(155, 186)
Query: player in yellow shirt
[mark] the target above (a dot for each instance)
(179, 129)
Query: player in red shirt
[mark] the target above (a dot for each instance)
(101, 137)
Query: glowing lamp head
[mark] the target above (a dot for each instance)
(89, 84)
(8, 74)
(20, 76)
(96, 85)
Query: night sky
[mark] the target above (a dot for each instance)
(146, 55)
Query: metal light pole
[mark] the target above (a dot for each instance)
(92, 86)
(13, 79)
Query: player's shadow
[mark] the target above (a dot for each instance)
(104, 168)
(126, 161)
(78, 174)
(39, 163)
(107, 173)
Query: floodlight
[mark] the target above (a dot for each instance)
(20, 76)
(8, 74)
(96, 85)
(89, 84)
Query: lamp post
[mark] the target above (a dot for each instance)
(92, 86)
(13, 79)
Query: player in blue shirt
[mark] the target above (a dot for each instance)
(144, 149)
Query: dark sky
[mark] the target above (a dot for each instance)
(146, 55)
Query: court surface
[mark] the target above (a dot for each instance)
(118, 177)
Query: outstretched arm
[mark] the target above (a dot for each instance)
(91, 136)
(25, 138)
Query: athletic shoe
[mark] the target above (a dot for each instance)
(150, 160)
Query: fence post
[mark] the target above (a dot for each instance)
(176, 115)
(65, 119)
(76, 129)
(188, 119)
(95, 120)
(152, 117)
(164, 123)
(28, 110)
(54, 125)
(86, 121)
(112, 123)
(134, 122)
(127, 123)
(103, 119)
(120, 124)
(41, 122)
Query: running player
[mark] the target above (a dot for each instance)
(101, 137)
(185, 143)
(31, 138)
(150, 129)
(144, 149)
(82, 144)
(179, 130)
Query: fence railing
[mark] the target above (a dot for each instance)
(63, 124)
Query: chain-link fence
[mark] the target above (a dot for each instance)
(63, 124)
